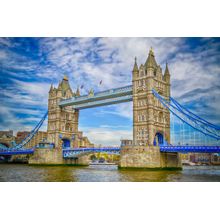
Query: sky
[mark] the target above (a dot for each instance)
(28, 66)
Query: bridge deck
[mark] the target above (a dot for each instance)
(76, 151)
(108, 97)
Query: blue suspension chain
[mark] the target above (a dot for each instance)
(166, 104)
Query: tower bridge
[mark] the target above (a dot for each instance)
(153, 106)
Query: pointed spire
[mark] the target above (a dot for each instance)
(167, 72)
(151, 62)
(51, 88)
(77, 92)
(135, 69)
(151, 50)
(60, 86)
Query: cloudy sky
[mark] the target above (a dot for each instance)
(29, 65)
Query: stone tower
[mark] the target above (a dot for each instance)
(151, 121)
(62, 126)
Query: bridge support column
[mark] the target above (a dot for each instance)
(55, 157)
(148, 157)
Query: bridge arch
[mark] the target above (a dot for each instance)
(66, 143)
(158, 139)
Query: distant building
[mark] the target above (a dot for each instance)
(21, 136)
(6, 133)
(126, 142)
(6, 138)
(201, 158)
(83, 141)
(39, 137)
(215, 159)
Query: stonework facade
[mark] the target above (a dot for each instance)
(148, 157)
(62, 126)
(151, 121)
(41, 136)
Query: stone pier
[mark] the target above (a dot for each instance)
(148, 157)
(55, 157)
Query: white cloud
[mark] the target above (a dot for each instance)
(106, 136)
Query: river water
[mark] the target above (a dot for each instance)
(104, 173)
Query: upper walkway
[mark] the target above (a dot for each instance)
(107, 97)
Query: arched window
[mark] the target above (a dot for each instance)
(67, 126)
(160, 117)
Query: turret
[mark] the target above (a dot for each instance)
(135, 69)
(59, 87)
(77, 92)
(51, 88)
(59, 90)
(167, 74)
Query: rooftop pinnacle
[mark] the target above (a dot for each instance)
(65, 77)
(135, 65)
(167, 72)
(151, 62)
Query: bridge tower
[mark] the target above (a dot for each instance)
(62, 122)
(151, 121)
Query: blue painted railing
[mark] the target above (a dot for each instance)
(17, 152)
(190, 149)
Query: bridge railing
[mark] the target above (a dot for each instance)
(190, 149)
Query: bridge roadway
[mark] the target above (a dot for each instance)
(68, 153)
(73, 152)
(107, 97)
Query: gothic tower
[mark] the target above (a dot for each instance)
(151, 121)
(62, 126)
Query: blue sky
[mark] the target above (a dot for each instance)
(29, 65)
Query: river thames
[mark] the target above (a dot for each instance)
(104, 173)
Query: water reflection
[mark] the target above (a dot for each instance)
(103, 173)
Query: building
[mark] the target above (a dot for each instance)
(83, 141)
(62, 126)
(21, 136)
(6, 138)
(40, 136)
(215, 159)
(201, 158)
(151, 121)
(126, 142)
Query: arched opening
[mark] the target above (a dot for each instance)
(158, 139)
(66, 143)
